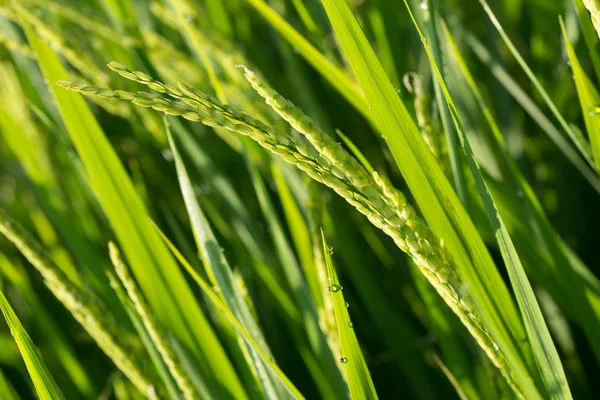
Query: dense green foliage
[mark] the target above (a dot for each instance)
(336, 199)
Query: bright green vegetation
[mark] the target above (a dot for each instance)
(299, 199)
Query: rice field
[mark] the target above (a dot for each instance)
(299, 199)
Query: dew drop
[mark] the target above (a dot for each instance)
(343, 360)
(335, 288)
(496, 346)
(350, 324)
(167, 155)
(424, 6)
(330, 250)
(593, 111)
(370, 107)
(347, 305)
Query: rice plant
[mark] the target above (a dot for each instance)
(299, 199)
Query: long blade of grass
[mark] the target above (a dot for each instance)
(63, 348)
(544, 351)
(533, 110)
(357, 373)
(221, 275)
(581, 143)
(435, 197)
(297, 282)
(43, 381)
(217, 302)
(157, 361)
(161, 280)
(588, 98)
(571, 278)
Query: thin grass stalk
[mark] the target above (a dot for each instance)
(154, 330)
(85, 307)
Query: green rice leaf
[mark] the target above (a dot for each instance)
(545, 353)
(566, 276)
(44, 383)
(237, 325)
(221, 276)
(357, 373)
(436, 199)
(581, 143)
(297, 283)
(152, 264)
(588, 98)
(533, 110)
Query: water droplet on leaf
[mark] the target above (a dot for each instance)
(343, 360)
(335, 288)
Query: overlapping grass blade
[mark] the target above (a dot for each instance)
(588, 98)
(73, 365)
(167, 379)
(436, 199)
(581, 143)
(217, 302)
(297, 283)
(43, 381)
(533, 110)
(567, 277)
(357, 373)
(545, 353)
(222, 278)
(151, 262)
(156, 333)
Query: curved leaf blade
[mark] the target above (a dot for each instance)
(43, 381)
